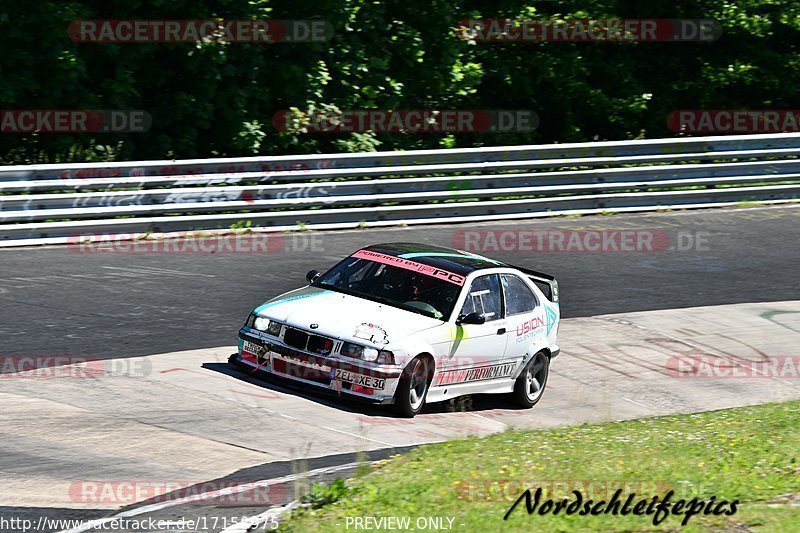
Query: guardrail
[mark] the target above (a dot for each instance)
(44, 204)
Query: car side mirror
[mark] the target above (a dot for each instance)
(312, 275)
(472, 318)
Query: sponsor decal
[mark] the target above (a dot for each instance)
(372, 333)
(552, 318)
(482, 373)
(294, 367)
(529, 326)
(335, 382)
(406, 264)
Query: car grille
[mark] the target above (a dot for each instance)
(303, 341)
(295, 338)
(320, 345)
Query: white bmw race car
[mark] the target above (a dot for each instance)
(407, 324)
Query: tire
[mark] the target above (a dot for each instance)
(409, 398)
(530, 384)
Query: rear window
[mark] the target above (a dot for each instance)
(519, 297)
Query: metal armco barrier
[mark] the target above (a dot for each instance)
(51, 204)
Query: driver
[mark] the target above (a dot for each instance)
(420, 285)
(393, 281)
(423, 294)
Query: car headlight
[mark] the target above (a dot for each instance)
(367, 354)
(261, 323)
(359, 352)
(370, 354)
(274, 328)
(265, 324)
(385, 358)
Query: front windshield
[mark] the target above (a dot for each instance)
(395, 286)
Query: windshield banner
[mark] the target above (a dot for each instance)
(399, 262)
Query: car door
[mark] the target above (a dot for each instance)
(526, 319)
(478, 347)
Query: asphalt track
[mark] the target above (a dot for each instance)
(57, 301)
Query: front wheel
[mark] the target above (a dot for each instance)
(530, 384)
(413, 388)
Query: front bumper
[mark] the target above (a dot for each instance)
(355, 379)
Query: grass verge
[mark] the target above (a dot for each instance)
(750, 454)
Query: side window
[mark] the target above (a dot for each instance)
(484, 297)
(519, 297)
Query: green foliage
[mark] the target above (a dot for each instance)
(244, 226)
(322, 495)
(215, 99)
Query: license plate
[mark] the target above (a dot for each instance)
(252, 351)
(360, 379)
(253, 348)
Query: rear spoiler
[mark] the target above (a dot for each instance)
(546, 282)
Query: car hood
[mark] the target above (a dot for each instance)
(345, 317)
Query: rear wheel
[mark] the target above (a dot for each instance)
(530, 384)
(413, 387)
